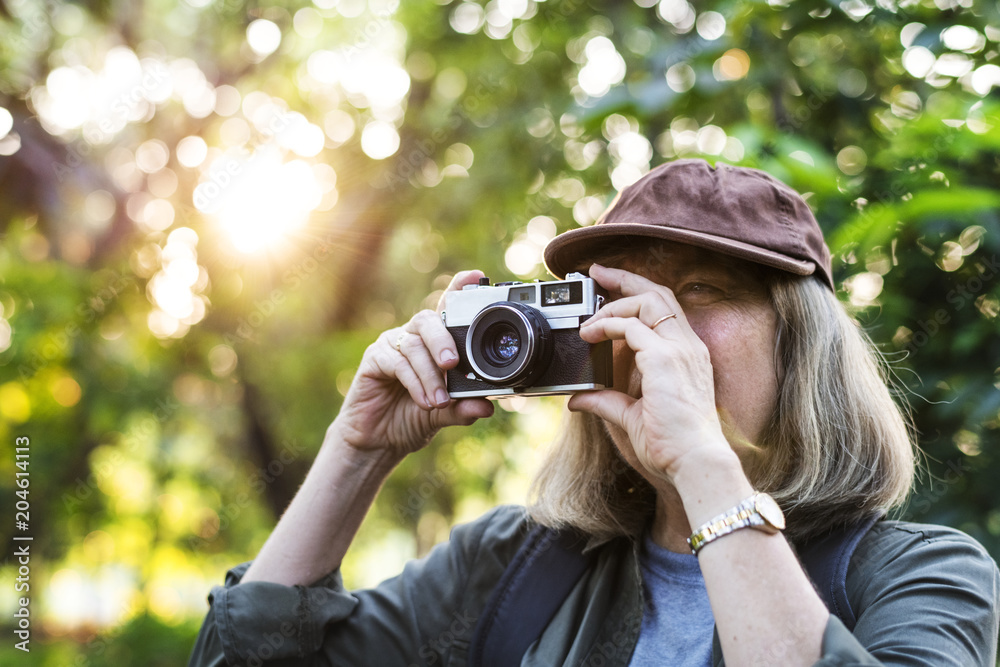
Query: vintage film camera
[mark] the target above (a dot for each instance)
(523, 338)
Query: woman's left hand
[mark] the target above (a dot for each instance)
(669, 410)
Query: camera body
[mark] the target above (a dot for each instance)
(522, 339)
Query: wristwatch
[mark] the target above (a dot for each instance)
(759, 511)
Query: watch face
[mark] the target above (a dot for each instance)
(770, 511)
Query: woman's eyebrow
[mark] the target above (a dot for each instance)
(710, 270)
(678, 266)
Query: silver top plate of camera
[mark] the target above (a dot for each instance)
(557, 299)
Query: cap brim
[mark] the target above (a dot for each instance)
(572, 250)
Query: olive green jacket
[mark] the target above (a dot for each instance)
(923, 595)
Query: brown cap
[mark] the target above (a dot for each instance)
(735, 211)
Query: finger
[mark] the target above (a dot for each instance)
(408, 378)
(427, 325)
(608, 404)
(624, 282)
(397, 366)
(635, 333)
(413, 349)
(649, 307)
(462, 412)
(393, 363)
(458, 281)
(655, 301)
(463, 278)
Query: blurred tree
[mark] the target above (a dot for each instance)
(211, 207)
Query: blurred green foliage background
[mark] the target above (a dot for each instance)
(211, 207)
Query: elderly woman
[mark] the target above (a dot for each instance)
(741, 389)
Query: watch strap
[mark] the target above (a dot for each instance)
(743, 515)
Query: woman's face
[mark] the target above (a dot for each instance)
(727, 305)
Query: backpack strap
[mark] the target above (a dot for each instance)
(549, 563)
(529, 593)
(825, 560)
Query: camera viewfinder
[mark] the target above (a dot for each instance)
(562, 293)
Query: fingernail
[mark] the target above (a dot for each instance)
(447, 356)
(442, 397)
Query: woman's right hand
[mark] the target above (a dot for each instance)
(398, 399)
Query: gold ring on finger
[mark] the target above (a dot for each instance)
(399, 341)
(662, 320)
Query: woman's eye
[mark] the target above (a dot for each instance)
(700, 290)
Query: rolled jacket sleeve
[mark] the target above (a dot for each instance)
(430, 609)
(258, 621)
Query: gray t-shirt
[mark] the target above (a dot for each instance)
(677, 621)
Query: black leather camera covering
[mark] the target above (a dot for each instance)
(574, 361)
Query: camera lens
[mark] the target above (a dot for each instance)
(509, 344)
(501, 343)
